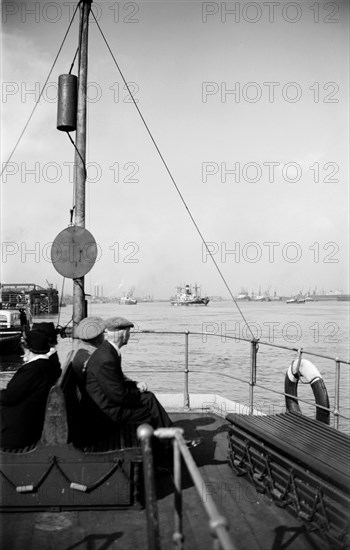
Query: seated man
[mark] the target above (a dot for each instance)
(89, 424)
(90, 332)
(121, 400)
(23, 402)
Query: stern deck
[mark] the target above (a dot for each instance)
(255, 522)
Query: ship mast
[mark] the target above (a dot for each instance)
(79, 305)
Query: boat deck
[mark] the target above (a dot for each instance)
(255, 522)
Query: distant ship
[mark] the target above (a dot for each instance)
(343, 298)
(186, 297)
(243, 296)
(296, 300)
(265, 297)
(332, 295)
(128, 299)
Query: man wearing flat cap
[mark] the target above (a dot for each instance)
(23, 402)
(120, 399)
(90, 331)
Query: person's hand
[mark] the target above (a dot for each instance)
(142, 386)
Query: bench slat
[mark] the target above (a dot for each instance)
(304, 439)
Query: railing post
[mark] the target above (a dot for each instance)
(178, 537)
(186, 394)
(336, 393)
(252, 381)
(145, 434)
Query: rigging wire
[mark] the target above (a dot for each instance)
(75, 56)
(42, 91)
(84, 166)
(172, 177)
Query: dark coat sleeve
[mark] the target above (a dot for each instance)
(105, 364)
(111, 380)
(24, 382)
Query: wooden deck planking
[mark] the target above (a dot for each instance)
(90, 530)
(255, 522)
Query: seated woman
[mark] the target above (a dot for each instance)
(23, 402)
(51, 332)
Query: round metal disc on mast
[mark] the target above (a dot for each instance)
(74, 252)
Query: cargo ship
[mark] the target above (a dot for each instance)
(188, 296)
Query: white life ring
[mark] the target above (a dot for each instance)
(311, 373)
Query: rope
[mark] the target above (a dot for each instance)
(41, 93)
(33, 487)
(172, 177)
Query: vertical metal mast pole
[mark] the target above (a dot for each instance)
(80, 142)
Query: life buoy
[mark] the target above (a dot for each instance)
(311, 373)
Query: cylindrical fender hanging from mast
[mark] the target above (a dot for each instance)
(67, 103)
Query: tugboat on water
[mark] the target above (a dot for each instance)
(188, 296)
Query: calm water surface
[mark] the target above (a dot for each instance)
(217, 361)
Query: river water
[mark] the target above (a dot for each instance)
(218, 360)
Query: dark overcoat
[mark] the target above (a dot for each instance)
(23, 402)
(106, 385)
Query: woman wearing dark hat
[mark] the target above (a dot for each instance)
(23, 402)
(54, 362)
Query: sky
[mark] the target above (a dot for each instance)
(248, 104)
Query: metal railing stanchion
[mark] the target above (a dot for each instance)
(252, 381)
(178, 537)
(336, 393)
(145, 434)
(186, 373)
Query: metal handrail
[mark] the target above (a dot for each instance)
(255, 343)
(217, 523)
(241, 339)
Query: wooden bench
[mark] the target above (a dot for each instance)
(68, 469)
(298, 462)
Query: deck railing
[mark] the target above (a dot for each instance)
(216, 522)
(252, 383)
